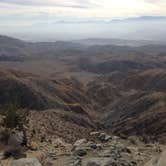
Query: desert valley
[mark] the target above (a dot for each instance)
(84, 103)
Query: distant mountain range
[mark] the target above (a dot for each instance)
(142, 18)
(107, 20)
(134, 28)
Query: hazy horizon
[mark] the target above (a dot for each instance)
(39, 20)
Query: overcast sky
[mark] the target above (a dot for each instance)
(26, 14)
(82, 8)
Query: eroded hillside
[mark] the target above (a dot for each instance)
(71, 90)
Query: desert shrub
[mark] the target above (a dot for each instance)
(12, 118)
(15, 118)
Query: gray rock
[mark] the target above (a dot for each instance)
(95, 133)
(26, 162)
(93, 146)
(80, 142)
(74, 161)
(80, 152)
(16, 139)
(113, 152)
(103, 137)
(52, 155)
(107, 138)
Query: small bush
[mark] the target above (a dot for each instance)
(12, 118)
(15, 118)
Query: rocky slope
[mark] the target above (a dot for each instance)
(117, 90)
(119, 103)
(99, 149)
(132, 103)
(58, 106)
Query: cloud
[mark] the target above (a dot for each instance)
(155, 1)
(56, 3)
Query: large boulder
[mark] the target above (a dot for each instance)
(16, 139)
(26, 162)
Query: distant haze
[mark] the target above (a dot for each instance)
(48, 20)
(144, 28)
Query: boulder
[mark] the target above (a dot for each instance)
(16, 139)
(26, 162)
(80, 142)
(95, 133)
(103, 137)
(93, 146)
(80, 152)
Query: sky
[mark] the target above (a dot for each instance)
(43, 16)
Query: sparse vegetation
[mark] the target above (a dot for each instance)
(113, 89)
(14, 118)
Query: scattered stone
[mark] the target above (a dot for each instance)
(95, 133)
(103, 137)
(99, 146)
(93, 146)
(119, 163)
(107, 138)
(125, 150)
(52, 155)
(80, 152)
(98, 162)
(58, 143)
(26, 162)
(113, 152)
(74, 161)
(80, 142)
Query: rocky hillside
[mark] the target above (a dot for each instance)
(99, 149)
(70, 90)
(132, 103)
(39, 93)
(68, 106)
(119, 103)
